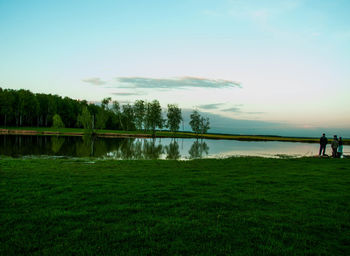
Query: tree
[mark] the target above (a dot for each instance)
(198, 123)
(102, 114)
(51, 108)
(57, 122)
(195, 122)
(105, 102)
(128, 117)
(139, 114)
(27, 107)
(204, 125)
(68, 110)
(117, 113)
(153, 118)
(85, 119)
(43, 107)
(174, 117)
(101, 119)
(93, 109)
(7, 103)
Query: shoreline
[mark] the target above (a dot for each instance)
(159, 134)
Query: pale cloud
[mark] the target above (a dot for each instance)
(237, 109)
(174, 83)
(94, 81)
(211, 106)
(127, 93)
(254, 113)
(233, 109)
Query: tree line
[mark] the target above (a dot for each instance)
(23, 108)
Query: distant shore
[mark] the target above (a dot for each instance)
(159, 134)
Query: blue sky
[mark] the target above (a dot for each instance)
(278, 62)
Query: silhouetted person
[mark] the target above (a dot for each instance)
(334, 145)
(323, 144)
(340, 147)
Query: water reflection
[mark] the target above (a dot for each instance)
(173, 151)
(56, 144)
(92, 146)
(136, 148)
(197, 149)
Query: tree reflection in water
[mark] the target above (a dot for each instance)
(151, 150)
(173, 151)
(85, 147)
(197, 149)
(92, 146)
(56, 143)
(129, 149)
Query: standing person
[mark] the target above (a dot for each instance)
(340, 147)
(323, 144)
(334, 145)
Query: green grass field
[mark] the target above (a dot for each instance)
(238, 206)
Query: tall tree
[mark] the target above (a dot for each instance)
(105, 102)
(117, 111)
(195, 122)
(85, 119)
(43, 108)
(93, 109)
(27, 107)
(7, 105)
(153, 118)
(51, 108)
(101, 119)
(68, 110)
(102, 114)
(139, 114)
(128, 117)
(204, 125)
(174, 117)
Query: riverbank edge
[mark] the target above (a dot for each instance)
(159, 134)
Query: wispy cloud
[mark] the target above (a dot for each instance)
(127, 93)
(237, 109)
(94, 81)
(211, 106)
(254, 113)
(233, 109)
(174, 83)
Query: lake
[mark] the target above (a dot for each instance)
(159, 148)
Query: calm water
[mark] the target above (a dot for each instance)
(131, 148)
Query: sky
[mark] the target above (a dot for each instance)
(261, 65)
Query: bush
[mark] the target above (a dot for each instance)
(57, 121)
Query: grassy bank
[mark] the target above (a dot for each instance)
(164, 134)
(239, 206)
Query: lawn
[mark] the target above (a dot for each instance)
(237, 206)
